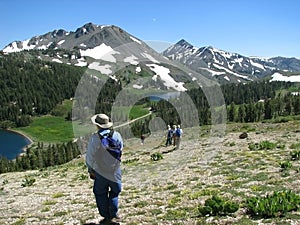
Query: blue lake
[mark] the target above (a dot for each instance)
(166, 96)
(12, 143)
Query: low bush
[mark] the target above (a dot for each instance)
(217, 206)
(156, 156)
(28, 181)
(273, 205)
(263, 145)
(295, 155)
(285, 165)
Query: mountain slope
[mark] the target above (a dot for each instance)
(108, 50)
(228, 66)
(167, 191)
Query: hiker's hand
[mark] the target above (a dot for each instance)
(92, 176)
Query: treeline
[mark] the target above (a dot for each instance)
(41, 156)
(29, 87)
(250, 102)
(32, 87)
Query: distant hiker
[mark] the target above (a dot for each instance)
(174, 135)
(169, 136)
(142, 139)
(103, 161)
(178, 134)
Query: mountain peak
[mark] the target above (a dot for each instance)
(184, 43)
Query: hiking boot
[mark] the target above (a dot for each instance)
(116, 220)
(105, 221)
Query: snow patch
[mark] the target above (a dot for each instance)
(138, 69)
(137, 86)
(150, 57)
(229, 71)
(132, 60)
(164, 75)
(226, 78)
(214, 73)
(102, 51)
(136, 40)
(104, 69)
(81, 62)
(61, 42)
(43, 47)
(13, 47)
(257, 65)
(280, 77)
(57, 60)
(49, 44)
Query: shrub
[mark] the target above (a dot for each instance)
(156, 156)
(295, 155)
(285, 165)
(295, 146)
(217, 206)
(262, 146)
(130, 161)
(274, 205)
(5, 181)
(28, 181)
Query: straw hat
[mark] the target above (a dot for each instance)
(102, 120)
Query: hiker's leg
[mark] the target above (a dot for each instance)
(168, 142)
(178, 142)
(101, 194)
(115, 189)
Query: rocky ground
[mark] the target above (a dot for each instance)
(167, 191)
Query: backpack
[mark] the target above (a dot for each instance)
(178, 132)
(113, 146)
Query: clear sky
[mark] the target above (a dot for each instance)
(264, 28)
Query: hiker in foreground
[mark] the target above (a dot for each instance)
(103, 159)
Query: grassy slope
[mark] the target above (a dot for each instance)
(154, 194)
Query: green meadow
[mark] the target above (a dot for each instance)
(56, 129)
(50, 129)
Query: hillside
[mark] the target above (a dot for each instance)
(167, 191)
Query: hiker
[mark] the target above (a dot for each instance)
(104, 168)
(178, 134)
(174, 135)
(142, 139)
(169, 136)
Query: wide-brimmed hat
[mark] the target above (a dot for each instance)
(102, 120)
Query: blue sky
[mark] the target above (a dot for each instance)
(264, 28)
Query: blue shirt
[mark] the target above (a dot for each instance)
(99, 160)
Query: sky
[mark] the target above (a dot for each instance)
(263, 28)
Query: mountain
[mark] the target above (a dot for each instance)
(109, 50)
(113, 52)
(226, 66)
(85, 37)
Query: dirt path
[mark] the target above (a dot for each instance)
(131, 121)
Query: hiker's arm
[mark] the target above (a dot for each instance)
(90, 159)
